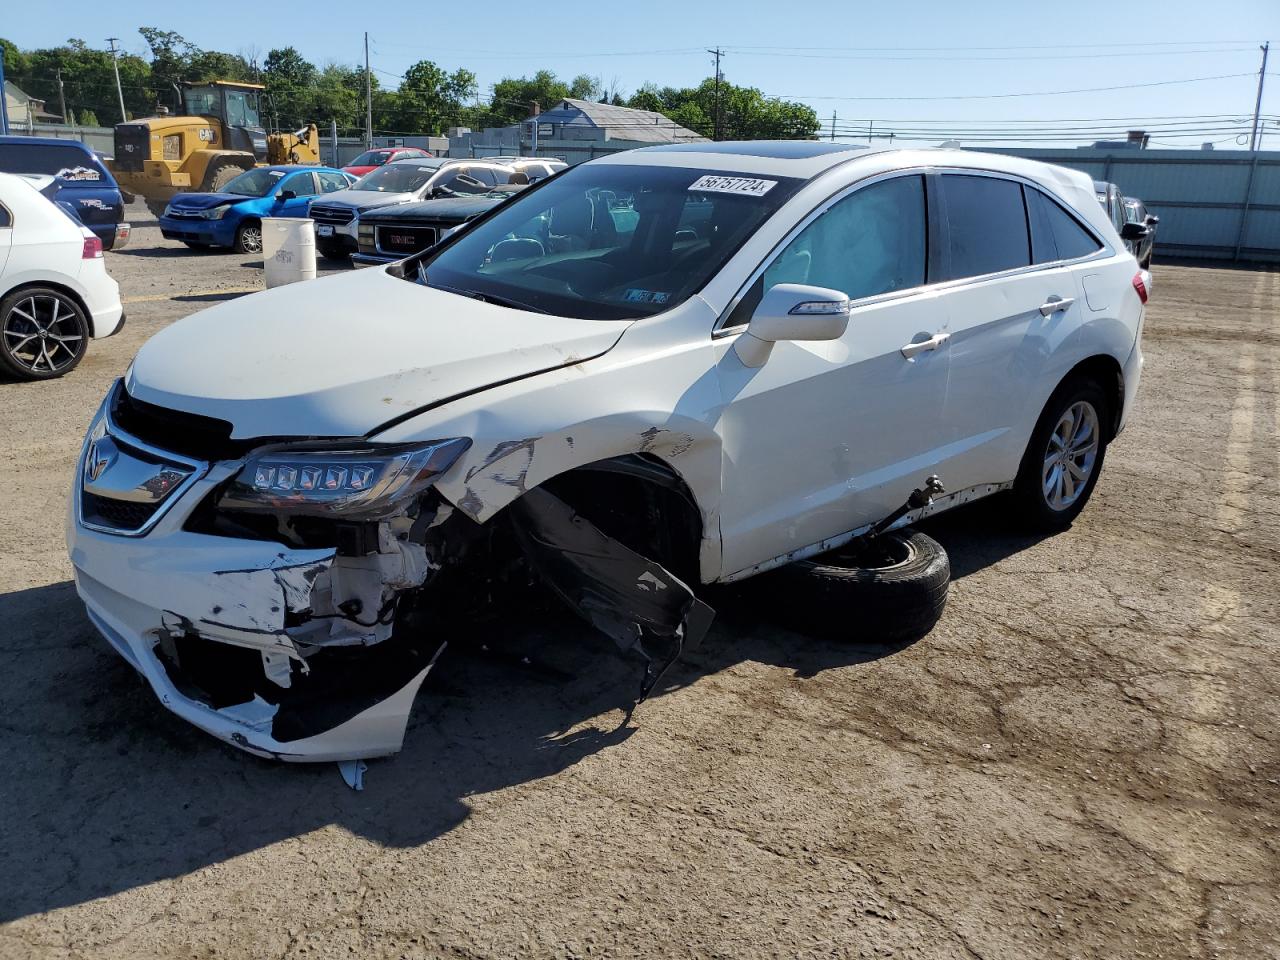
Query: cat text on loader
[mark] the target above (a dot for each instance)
(218, 137)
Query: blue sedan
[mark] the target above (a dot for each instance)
(233, 217)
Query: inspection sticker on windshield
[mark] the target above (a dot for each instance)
(747, 186)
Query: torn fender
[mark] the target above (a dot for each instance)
(638, 602)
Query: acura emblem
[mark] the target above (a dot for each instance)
(102, 453)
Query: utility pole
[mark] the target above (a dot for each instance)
(115, 64)
(716, 112)
(833, 126)
(4, 101)
(62, 97)
(870, 126)
(1257, 106)
(368, 96)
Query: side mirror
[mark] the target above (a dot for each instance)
(792, 311)
(1152, 220)
(286, 195)
(1134, 231)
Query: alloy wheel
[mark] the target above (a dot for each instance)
(251, 238)
(1070, 456)
(42, 334)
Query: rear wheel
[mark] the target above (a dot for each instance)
(43, 333)
(1064, 457)
(249, 237)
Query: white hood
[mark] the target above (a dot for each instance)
(340, 356)
(361, 199)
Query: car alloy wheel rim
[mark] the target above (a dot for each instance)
(42, 335)
(251, 239)
(1070, 456)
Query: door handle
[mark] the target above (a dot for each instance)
(1055, 305)
(933, 343)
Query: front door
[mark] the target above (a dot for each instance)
(828, 436)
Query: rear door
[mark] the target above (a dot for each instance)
(1011, 294)
(6, 235)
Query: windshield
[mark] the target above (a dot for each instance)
(397, 177)
(371, 158)
(255, 183)
(608, 242)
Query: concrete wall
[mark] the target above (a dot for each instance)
(101, 139)
(1220, 204)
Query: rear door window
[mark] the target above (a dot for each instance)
(986, 225)
(301, 184)
(329, 182)
(1055, 234)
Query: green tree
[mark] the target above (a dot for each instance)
(289, 78)
(512, 96)
(745, 113)
(584, 87)
(428, 100)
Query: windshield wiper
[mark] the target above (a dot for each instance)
(476, 295)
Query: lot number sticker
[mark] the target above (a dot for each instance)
(747, 186)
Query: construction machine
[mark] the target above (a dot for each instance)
(218, 136)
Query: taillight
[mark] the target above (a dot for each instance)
(1140, 286)
(92, 249)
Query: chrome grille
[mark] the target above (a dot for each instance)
(323, 214)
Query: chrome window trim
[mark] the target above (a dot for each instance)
(199, 469)
(1105, 250)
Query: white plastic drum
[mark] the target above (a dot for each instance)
(288, 249)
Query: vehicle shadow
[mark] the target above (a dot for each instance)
(165, 253)
(105, 790)
(978, 535)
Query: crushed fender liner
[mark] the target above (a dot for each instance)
(636, 601)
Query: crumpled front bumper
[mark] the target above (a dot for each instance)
(140, 591)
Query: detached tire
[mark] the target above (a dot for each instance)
(894, 596)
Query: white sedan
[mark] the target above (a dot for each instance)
(55, 292)
(674, 366)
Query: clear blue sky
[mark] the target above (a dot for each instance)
(822, 52)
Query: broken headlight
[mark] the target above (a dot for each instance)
(363, 483)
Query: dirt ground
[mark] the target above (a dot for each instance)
(1079, 761)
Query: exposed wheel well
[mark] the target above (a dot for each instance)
(1106, 372)
(61, 288)
(639, 500)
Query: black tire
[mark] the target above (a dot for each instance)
(43, 333)
(249, 237)
(219, 177)
(1032, 504)
(893, 596)
(330, 252)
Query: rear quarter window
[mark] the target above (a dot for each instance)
(1056, 234)
(73, 167)
(986, 225)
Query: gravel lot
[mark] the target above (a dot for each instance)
(1080, 761)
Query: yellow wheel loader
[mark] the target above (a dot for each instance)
(219, 136)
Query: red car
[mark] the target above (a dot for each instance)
(373, 159)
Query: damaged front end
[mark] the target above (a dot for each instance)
(291, 598)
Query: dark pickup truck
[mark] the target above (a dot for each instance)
(392, 233)
(80, 182)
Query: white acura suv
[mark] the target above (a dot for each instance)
(677, 365)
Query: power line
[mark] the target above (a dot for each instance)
(1004, 96)
(935, 58)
